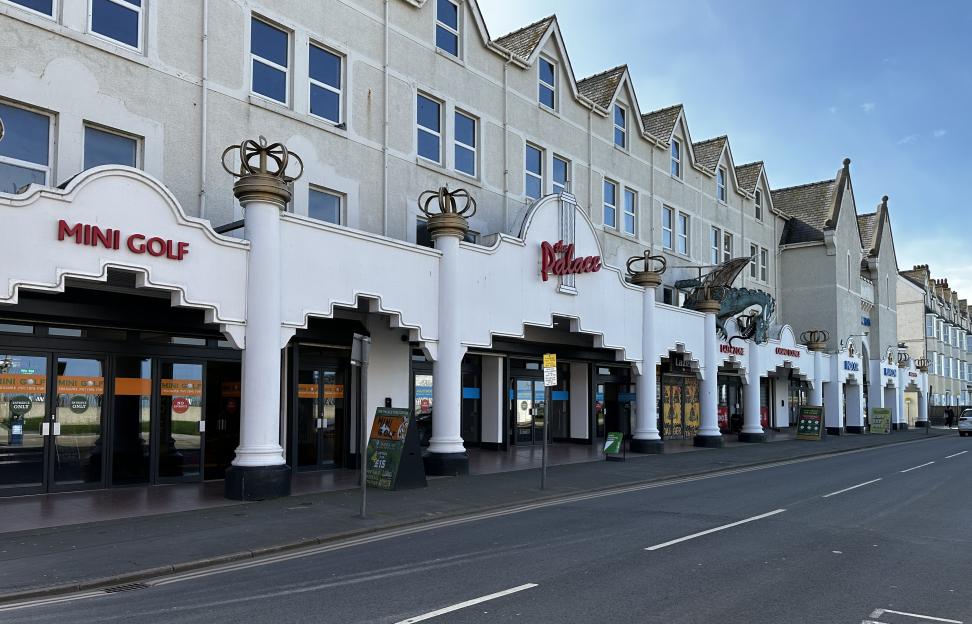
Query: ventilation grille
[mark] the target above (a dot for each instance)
(127, 587)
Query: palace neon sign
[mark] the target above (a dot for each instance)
(558, 259)
(111, 238)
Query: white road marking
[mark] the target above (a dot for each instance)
(467, 603)
(853, 487)
(917, 467)
(956, 454)
(720, 528)
(880, 612)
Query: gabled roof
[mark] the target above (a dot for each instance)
(600, 88)
(748, 175)
(707, 152)
(809, 207)
(524, 42)
(866, 224)
(661, 123)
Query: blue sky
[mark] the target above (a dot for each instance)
(801, 85)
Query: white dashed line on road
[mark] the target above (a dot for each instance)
(917, 467)
(720, 528)
(467, 603)
(955, 454)
(853, 487)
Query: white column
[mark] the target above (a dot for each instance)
(899, 392)
(260, 416)
(646, 438)
(923, 400)
(816, 391)
(447, 367)
(752, 430)
(709, 430)
(834, 405)
(854, 419)
(875, 394)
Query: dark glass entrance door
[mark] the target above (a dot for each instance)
(179, 445)
(131, 421)
(320, 417)
(529, 408)
(23, 412)
(75, 442)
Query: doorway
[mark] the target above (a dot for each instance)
(529, 408)
(321, 420)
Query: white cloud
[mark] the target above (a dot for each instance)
(939, 133)
(911, 138)
(867, 107)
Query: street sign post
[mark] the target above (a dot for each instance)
(810, 424)
(549, 380)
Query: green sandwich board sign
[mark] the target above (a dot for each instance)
(880, 420)
(810, 423)
(612, 446)
(394, 456)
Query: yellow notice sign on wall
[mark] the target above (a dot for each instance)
(550, 360)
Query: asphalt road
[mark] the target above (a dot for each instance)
(881, 535)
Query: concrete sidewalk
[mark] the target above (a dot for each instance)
(58, 559)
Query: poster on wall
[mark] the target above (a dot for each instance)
(810, 423)
(693, 408)
(880, 420)
(394, 455)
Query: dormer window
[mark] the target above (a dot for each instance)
(676, 159)
(447, 26)
(759, 205)
(547, 84)
(620, 127)
(721, 184)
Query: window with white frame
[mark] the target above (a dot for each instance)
(620, 126)
(44, 7)
(326, 73)
(610, 204)
(715, 244)
(764, 264)
(547, 83)
(25, 151)
(428, 120)
(683, 233)
(721, 184)
(726, 246)
(107, 147)
(630, 209)
(759, 205)
(932, 360)
(465, 142)
(325, 205)
(447, 26)
(560, 176)
(930, 325)
(676, 159)
(270, 55)
(668, 227)
(533, 172)
(120, 21)
(753, 260)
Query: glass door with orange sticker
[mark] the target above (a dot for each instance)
(24, 419)
(76, 444)
(320, 426)
(181, 427)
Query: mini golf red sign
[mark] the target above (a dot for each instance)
(180, 405)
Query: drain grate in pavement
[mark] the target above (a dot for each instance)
(127, 587)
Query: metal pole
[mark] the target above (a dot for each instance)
(360, 348)
(546, 421)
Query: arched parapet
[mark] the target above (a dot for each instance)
(688, 358)
(848, 365)
(328, 267)
(786, 353)
(528, 280)
(886, 370)
(680, 330)
(733, 355)
(116, 217)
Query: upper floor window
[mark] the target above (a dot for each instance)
(117, 20)
(533, 172)
(326, 73)
(753, 259)
(44, 7)
(560, 174)
(715, 242)
(620, 126)
(683, 233)
(630, 209)
(270, 53)
(721, 184)
(447, 26)
(726, 246)
(103, 147)
(759, 205)
(764, 264)
(429, 121)
(668, 219)
(610, 204)
(547, 83)
(324, 205)
(676, 159)
(465, 139)
(25, 151)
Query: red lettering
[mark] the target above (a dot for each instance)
(558, 259)
(65, 230)
(87, 234)
(183, 250)
(104, 237)
(155, 246)
(135, 244)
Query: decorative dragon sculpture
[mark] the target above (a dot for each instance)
(738, 303)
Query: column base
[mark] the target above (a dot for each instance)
(708, 441)
(646, 446)
(252, 483)
(751, 437)
(899, 426)
(446, 464)
(855, 429)
(835, 430)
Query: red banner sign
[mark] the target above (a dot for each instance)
(794, 353)
(110, 238)
(731, 350)
(558, 259)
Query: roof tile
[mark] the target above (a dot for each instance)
(707, 152)
(809, 206)
(661, 123)
(524, 41)
(600, 88)
(748, 175)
